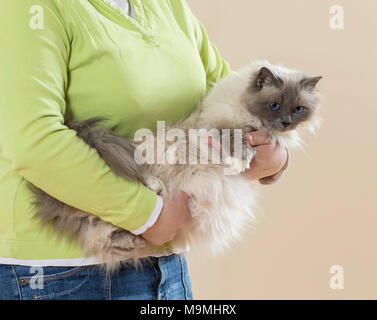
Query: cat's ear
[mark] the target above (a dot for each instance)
(266, 78)
(310, 83)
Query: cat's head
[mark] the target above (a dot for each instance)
(281, 98)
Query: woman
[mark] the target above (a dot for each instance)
(79, 59)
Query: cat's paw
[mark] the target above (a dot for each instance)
(154, 184)
(234, 165)
(139, 242)
(249, 154)
(125, 240)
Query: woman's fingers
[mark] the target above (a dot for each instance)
(257, 138)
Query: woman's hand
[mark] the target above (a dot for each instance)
(270, 160)
(174, 215)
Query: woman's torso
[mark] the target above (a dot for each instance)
(132, 72)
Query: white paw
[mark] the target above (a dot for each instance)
(250, 153)
(235, 166)
(154, 184)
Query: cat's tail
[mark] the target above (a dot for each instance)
(116, 151)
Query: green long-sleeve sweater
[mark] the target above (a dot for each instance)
(85, 58)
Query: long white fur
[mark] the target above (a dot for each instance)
(222, 206)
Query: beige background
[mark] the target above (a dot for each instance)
(323, 212)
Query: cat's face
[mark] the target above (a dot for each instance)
(282, 103)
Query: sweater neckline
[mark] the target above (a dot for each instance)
(118, 16)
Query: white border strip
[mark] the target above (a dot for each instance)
(152, 218)
(73, 262)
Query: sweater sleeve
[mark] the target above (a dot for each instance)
(216, 67)
(35, 48)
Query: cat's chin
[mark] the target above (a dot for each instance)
(273, 129)
(280, 129)
(285, 130)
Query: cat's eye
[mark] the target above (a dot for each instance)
(298, 109)
(274, 106)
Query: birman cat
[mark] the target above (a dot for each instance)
(274, 98)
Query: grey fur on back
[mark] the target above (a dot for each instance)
(117, 151)
(95, 235)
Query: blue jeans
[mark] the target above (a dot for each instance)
(158, 278)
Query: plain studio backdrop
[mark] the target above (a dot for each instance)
(323, 211)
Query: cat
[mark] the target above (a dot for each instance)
(260, 96)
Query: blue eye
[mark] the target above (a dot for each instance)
(274, 106)
(298, 110)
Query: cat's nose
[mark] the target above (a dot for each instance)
(286, 124)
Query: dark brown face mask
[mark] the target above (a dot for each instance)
(282, 104)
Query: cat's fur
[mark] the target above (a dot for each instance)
(221, 205)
